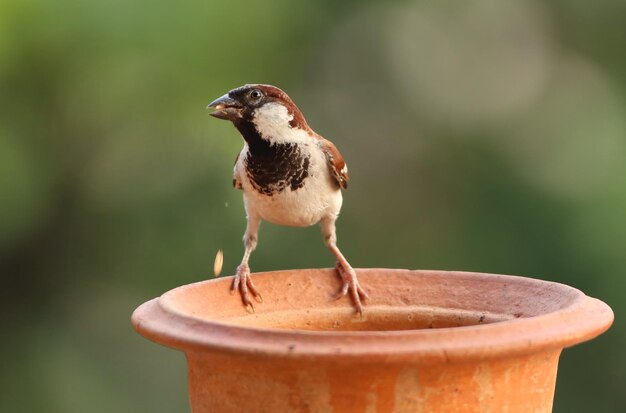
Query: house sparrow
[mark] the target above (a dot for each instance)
(289, 175)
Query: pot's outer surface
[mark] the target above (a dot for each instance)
(429, 341)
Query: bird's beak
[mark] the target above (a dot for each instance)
(226, 108)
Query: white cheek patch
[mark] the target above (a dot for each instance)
(272, 122)
(273, 113)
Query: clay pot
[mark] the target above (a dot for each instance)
(429, 341)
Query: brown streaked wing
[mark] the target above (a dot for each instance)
(236, 181)
(336, 163)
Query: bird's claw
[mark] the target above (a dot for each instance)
(351, 285)
(243, 283)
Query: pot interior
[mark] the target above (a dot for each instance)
(375, 318)
(399, 300)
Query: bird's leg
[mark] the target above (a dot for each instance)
(242, 280)
(350, 280)
(345, 270)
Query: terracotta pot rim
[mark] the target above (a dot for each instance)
(582, 319)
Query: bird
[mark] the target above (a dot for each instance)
(289, 175)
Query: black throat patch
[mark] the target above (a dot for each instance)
(273, 168)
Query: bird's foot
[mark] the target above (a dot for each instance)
(243, 283)
(351, 284)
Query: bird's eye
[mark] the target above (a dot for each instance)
(255, 94)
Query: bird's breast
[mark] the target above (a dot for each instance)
(275, 168)
(291, 187)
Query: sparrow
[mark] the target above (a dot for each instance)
(289, 176)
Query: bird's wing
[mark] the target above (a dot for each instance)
(236, 179)
(336, 163)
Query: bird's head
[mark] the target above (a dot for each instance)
(267, 108)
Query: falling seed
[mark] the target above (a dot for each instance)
(219, 261)
(226, 204)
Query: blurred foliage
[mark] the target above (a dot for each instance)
(485, 136)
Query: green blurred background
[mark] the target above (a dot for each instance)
(483, 136)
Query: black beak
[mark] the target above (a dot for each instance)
(226, 108)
